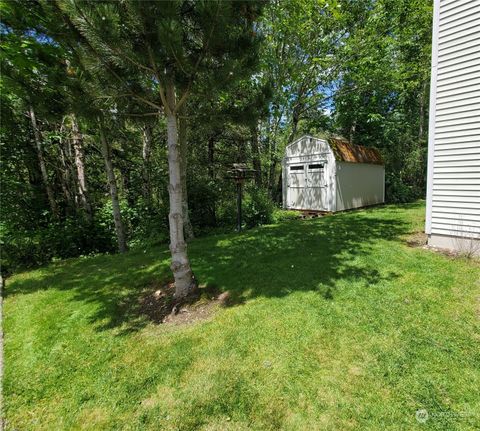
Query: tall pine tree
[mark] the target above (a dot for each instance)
(157, 53)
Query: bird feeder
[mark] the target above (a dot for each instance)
(240, 173)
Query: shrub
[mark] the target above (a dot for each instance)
(397, 191)
(58, 239)
(257, 208)
(280, 215)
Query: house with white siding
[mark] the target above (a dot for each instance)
(453, 184)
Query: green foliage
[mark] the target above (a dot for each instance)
(280, 215)
(56, 240)
(265, 73)
(258, 208)
(146, 226)
(342, 326)
(204, 200)
(381, 98)
(398, 190)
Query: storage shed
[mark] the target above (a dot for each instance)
(331, 175)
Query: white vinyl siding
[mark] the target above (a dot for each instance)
(359, 185)
(454, 167)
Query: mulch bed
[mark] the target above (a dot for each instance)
(161, 307)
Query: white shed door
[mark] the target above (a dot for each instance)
(316, 186)
(306, 186)
(296, 186)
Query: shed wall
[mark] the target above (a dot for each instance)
(453, 193)
(359, 185)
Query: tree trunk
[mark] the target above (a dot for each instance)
(125, 173)
(211, 173)
(80, 168)
(272, 147)
(353, 127)
(295, 120)
(422, 111)
(278, 189)
(184, 279)
(65, 183)
(257, 165)
(182, 138)
(211, 156)
(112, 183)
(146, 156)
(41, 161)
(273, 168)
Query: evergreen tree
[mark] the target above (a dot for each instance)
(156, 53)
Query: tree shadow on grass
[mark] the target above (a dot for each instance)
(299, 256)
(272, 261)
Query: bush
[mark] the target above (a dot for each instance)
(280, 215)
(144, 225)
(69, 238)
(257, 208)
(397, 191)
(202, 203)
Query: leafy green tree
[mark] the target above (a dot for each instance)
(382, 94)
(32, 73)
(233, 85)
(166, 46)
(299, 60)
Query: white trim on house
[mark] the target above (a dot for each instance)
(432, 115)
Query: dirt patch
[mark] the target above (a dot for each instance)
(446, 252)
(417, 239)
(161, 307)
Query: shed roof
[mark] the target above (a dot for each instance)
(344, 151)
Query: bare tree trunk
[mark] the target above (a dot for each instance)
(295, 120)
(184, 279)
(272, 148)
(273, 168)
(64, 181)
(257, 164)
(126, 177)
(211, 173)
(41, 161)
(211, 156)
(112, 183)
(146, 156)
(422, 111)
(182, 138)
(80, 167)
(278, 190)
(353, 127)
(65, 176)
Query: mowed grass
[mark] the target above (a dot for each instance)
(339, 325)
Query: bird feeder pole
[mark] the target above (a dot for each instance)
(240, 173)
(239, 205)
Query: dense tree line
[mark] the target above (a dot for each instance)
(121, 119)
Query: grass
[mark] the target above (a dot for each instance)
(340, 326)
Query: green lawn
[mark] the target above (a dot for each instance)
(339, 326)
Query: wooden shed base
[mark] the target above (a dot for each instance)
(312, 213)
